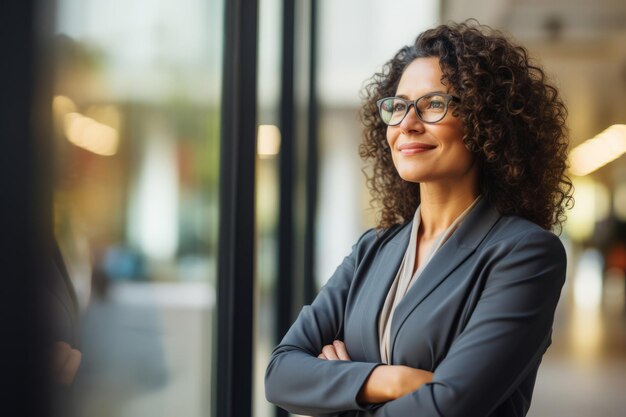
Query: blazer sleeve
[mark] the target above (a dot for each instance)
(296, 379)
(504, 339)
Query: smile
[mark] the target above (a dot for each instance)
(415, 148)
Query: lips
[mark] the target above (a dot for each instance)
(411, 148)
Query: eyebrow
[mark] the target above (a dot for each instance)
(404, 96)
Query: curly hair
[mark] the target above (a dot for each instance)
(514, 122)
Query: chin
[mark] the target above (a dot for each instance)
(412, 177)
(414, 172)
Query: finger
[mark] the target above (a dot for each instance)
(67, 374)
(60, 355)
(322, 356)
(341, 350)
(329, 352)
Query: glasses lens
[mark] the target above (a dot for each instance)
(432, 107)
(392, 110)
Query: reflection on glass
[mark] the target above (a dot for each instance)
(267, 195)
(268, 141)
(136, 137)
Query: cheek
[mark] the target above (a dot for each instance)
(465, 158)
(390, 136)
(453, 136)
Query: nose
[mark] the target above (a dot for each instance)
(411, 121)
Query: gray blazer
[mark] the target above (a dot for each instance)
(480, 317)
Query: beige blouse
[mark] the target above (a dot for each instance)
(405, 279)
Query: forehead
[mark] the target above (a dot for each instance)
(420, 77)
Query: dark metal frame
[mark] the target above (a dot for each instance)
(310, 287)
(26, 199)
(409, 103)
(286, 218)
(288, 299)
(233, 364)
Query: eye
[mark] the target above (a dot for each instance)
(399, 106)
(436, 104)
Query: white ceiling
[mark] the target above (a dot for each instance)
(539, 19)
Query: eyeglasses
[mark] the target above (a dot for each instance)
(430, 108)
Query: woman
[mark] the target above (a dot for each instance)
(446, 308)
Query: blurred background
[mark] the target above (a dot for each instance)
(137, 102)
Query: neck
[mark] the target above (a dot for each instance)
(441, 204)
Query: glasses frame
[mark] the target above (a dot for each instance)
(409, 103)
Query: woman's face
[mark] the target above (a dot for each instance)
(428, 152)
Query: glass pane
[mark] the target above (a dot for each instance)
(136, 113)
(267, 193)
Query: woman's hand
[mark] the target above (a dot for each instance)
(66, 361)
(335, 352)
(388, 382)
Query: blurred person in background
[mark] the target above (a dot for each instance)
(66, 357)
(446, 307)
(615, 258)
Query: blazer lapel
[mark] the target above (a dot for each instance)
(454, 251)
(386, 264)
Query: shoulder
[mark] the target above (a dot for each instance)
(377, 237)
(515, 235)
(515, 228)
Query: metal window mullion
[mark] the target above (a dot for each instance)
(25, 134)
(233, 364)
(309, 287)
(285, 279)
